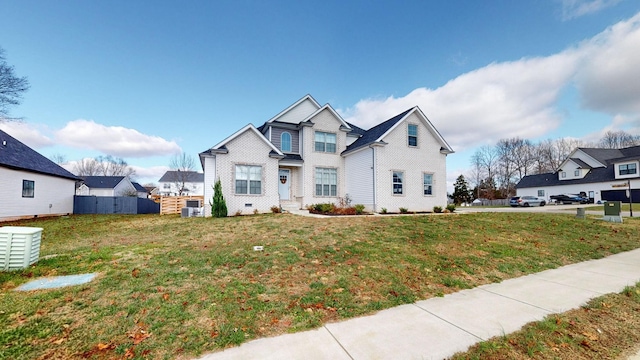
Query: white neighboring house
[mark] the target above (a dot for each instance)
(307, 154)
(191, 182)
(108, 186)
(30, 184)
(601, 174)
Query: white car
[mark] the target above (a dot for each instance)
(526, 201)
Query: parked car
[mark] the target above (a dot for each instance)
(526, 201)
(570, 199)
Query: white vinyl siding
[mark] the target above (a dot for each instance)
(326, 182)
(359, 177)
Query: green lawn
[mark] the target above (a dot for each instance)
(170, 287)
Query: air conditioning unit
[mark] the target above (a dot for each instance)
(187, 212)
(194, 203)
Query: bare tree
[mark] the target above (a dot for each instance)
(618, 140)
(183, 167)
(11, 87)
(103, 166)
(486, 158)
(58, 158)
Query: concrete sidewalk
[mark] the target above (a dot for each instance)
(438, 328)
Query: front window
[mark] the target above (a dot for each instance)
(540, 193)
(285, 142)
(248, 179)
(627, 169)
(28, 188)
(412, 132)
(325, 142)
(428, 184)
(397, 182)
(326, 182)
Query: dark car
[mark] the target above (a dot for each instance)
(526, 201)
(570, 199)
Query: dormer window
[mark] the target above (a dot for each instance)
(627, 169)
(576, 173)
(563, 174)
(285, 142)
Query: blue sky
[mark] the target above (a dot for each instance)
(144, 80)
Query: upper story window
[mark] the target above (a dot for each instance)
(576, 173)
(325, 142)
(397, 182)
(412, 131)
(248, 179)
(28, 188)
(627, 169)
(563, 174)
(285, 142)
(166, 186)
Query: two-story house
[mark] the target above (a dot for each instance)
(600, 174)
(308, 154)
(181, 183)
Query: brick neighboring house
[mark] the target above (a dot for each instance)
(601, 174)
(308, 154)
(191, 183)
(30, 184)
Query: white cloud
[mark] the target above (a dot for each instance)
(609, 79)
(114, 140)
(572, 9)
(499, 100)
(519, 98)
(26, 133)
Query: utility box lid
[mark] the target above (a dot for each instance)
(612, 208)
(19, 246)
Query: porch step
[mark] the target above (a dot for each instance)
(290, 206)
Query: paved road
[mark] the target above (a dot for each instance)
(561, 209)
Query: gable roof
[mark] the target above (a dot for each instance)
(139, 187)
(307, 97)
(580, 163)
(102, 182)
(18, 156)
(172, 176)
(332, 111)
(595, 175)
(377, 133)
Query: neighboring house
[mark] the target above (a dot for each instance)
(308, 154)
(601, 174)
(30, 184)
(106, 186)
(141, 190)
(191, 183)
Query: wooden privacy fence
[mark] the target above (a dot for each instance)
(174, 204)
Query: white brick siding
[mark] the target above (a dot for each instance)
(414, 162)
(246, 149)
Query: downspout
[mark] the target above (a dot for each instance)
(373, 169)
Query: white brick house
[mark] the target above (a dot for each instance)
(308, 154)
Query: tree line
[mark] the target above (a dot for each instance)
(495, 170)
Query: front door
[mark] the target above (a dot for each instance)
(284, 182)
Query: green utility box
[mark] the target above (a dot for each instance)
(612, 211)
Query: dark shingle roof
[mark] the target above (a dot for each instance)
(375, 132)
(602, 155)
(102, 182)
(356, 129)
(139, 187)
(293, 157)
(582, 164)
(16, 155)
(191, 176)
(552, 179)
